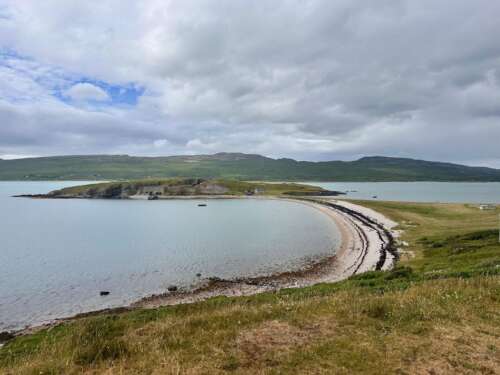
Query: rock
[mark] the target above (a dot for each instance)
(215, 279)
(5, 336)
(104, 293)
(172, 288)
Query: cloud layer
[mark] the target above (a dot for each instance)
(306, 79)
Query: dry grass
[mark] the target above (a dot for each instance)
(451, 325)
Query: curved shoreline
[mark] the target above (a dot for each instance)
(367, 243)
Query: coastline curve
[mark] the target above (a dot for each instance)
(367, 243)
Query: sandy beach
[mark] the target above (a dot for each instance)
(367, 244)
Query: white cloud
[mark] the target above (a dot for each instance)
(86, 92)
(11, 156)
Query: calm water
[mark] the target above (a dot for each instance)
(446, 192)
(56, 255)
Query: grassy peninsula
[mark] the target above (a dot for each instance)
(185, 187)
(437, 312)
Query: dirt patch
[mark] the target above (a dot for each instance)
(271, 339)
(464, 351)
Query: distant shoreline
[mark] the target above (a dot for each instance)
(415, 192)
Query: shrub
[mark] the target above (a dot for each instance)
(481, 235)
(367, 275)
(436, 245)
(400, 273)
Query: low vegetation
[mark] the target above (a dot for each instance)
(185, 187)
(437, 312)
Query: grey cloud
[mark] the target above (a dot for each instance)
(313, 80)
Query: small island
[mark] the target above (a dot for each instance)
(184, 187)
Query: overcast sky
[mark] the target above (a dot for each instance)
(312, 80)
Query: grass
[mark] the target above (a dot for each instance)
(437, 312)
(234, 187)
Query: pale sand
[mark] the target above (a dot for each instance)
(363, 248)
(375, 241)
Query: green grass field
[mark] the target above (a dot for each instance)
(437, 312)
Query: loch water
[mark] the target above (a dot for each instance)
(56, 255)
(443, 192)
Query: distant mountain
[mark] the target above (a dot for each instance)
(238, 166)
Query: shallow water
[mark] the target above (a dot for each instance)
(445, 192)
(56, 255)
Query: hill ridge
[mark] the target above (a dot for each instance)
(239, 166)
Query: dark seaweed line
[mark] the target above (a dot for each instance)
(389, 245)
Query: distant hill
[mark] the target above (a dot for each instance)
(238, 166)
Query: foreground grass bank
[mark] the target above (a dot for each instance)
(438, 312)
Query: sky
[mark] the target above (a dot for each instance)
(306, 79)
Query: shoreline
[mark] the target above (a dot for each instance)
(367, 243)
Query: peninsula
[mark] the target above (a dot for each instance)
(367, 239)
(184, 187)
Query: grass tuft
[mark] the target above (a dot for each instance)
(99, 339)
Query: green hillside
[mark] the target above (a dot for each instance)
(238, 166)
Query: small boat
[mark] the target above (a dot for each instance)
(202, 205)
(374, 197)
